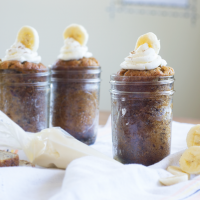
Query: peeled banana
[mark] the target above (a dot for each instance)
(173, 179)
(177, 171)
(29, 37)
(193, 136)
(190, 160)
(151, 39)
(77, 32)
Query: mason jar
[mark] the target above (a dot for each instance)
(75, 102)
(24, 97)
(141, 113)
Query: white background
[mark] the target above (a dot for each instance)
(181, 3)
(111, 40)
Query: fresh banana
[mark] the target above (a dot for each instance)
(180, 176)
(190, 160)
(193, 136)
(28, 36)
(152, 41)
(77, 32)
(177, 171)
(173, 179)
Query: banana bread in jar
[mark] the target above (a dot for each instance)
(75, 86)
(142, 101)
(24, 82)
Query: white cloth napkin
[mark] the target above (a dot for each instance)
(91, 178)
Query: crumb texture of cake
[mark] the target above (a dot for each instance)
(141, 118)
(24, 94)
(24, 163)
(8, 159)
(75, 100)
(25, 66)
(159, 71)
(76, 64)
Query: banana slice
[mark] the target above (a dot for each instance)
(174, 179)
(177, 171)
(152, 41)
(193, 136)
(28, 36)
(77, 32)
(190, 160)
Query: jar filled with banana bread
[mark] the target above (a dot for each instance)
(75, 86)
(141, 105)
(24, 83)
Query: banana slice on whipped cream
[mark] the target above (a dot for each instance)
(152, 41)
(77, 32)
(145, 56)
(25, 47)
(29, 37)
(75, 40)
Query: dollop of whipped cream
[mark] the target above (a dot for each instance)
(73, 50)
(20, 53)
(144, 58)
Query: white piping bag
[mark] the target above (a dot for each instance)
(52, 147)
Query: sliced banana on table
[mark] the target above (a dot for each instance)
(177, 171)
(179, 176)
(77, 32)
(190, 160)
(152, 41)
(29, 37)
(193, 136)
(173, 179)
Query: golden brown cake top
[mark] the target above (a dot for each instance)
(25, 66)
(159, 71)
(75, 64)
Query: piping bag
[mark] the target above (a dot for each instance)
(52, 147)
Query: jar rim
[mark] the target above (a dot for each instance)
(114, 75)
(95, 80)
(170, 92)
(81, 71)
(37, 74)
(150, 80)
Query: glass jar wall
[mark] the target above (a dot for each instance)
(25, 98)
(141, 118)
(75, 102)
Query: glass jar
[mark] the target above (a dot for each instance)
(75, 102)
(141, 113)
(25, 98)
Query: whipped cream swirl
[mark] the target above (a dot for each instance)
(73, 50)
(20, 53)
(144, 58)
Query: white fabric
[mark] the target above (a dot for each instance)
(50, 148)
(91, 178)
